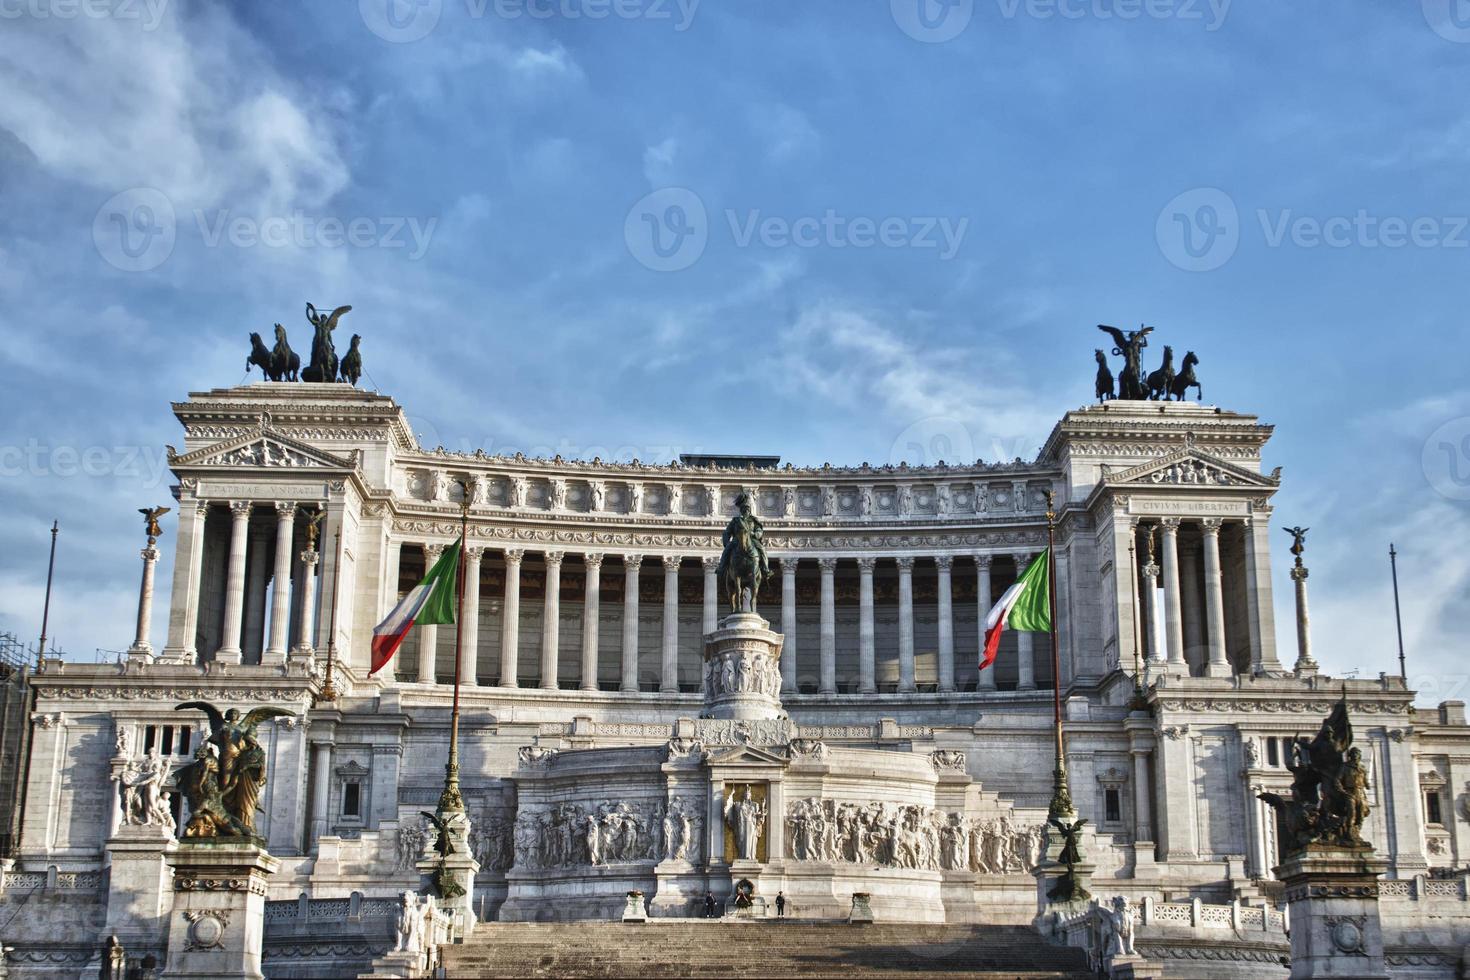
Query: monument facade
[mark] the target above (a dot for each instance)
(724, 677)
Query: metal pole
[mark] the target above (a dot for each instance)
(46, 607)
(1393, 560)
(329, 691)
(450, 801)
(1061, 798)
(1140, 700)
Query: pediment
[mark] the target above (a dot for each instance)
(1191, 467)
(745, 755)
(263, 447)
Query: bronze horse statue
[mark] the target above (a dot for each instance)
(1106, 390)
(259, 357)
(352, 361)
(1161, 382)
(1187, 379)
(286, 362)
(743, 565)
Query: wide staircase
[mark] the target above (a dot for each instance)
(769, 948)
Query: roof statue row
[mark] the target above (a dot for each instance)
(1133, 385)
(281, 363)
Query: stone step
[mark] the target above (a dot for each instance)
(715, 949)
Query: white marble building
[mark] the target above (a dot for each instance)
(590, 587)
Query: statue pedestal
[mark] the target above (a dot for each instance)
(139, 890)
(218, 918)
(461, 868)
(742, 670)
(1335, 928)
(1134, 967)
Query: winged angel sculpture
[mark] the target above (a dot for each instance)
(224, 781)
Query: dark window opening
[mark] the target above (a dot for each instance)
(1432, 811)
(183, 741)
(352, 800)
(150, 735)
(1273, 758)
(168, 740)
(1112, 806)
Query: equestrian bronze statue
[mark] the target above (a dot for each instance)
(743, 564)
(1133, 384)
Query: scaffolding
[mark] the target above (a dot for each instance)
(16, 662)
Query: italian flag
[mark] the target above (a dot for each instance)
(431, 602)
(1025, 607)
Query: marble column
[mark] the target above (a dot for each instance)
(1143, 820)
(1173, 607)
(183, 613)
(1218, 663)
(906, 683)
(551, 621)
(1258, 593)
(828, 567)
(1305, 665)
(142, 647)
(669, 674)
(1194, 634)
(429, 635)
(306, 637)
(788, 623)
(229, 651)
(510, 620)
(983, 604)
(321, 786)
(711, 594)
(867, 655)
(1025, 642)
(275, 651)
(946, 625)
(257, 578)
(469, 626)
(1156, 650)
(631, 564)
(591, 611)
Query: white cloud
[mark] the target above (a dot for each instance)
(658, 162)
(786, 131)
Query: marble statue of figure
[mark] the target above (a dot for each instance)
(1119, 921)
(409, 936)
(747, 818)
(153, 806)
(411, 840)
(905, 500)
(635, 498)
(941, 499)
(676, 496)
(518, 491)
(788, 502)
(865, 501)
(598, 493)
(124, 743)
(558, 495)
(829, 501)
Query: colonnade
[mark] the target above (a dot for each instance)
(634, 566)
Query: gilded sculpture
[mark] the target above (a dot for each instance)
(224, 782)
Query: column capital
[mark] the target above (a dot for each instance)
(789, 563)
(1170, 524)
(866, 564)
(285, 509)
(943, 562)
(905, 563)
(309, 557)
(632, 562)
(711, 563)
(514, 556)
(672, 562)
(827, 565)
(240, 509)
(984, 561)
(474, 552)
(554, 558)
(201, 507)
(433, 549)
(592, 559)
(1211, 525)
(150, 554)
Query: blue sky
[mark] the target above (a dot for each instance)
(875, 220)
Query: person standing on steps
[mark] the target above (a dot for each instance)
(709, 905)
(780, 905)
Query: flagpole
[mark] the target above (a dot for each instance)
(450, 801)
(1393, 560)
(329, 691)
(1061, 799)
(46, 606)
(1140, 700)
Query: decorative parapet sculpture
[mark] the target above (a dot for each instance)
(1329, 790)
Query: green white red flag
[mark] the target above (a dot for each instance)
(431, 602)
(1026, 607)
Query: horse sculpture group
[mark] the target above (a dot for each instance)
(281, 363)
(1133, 385)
